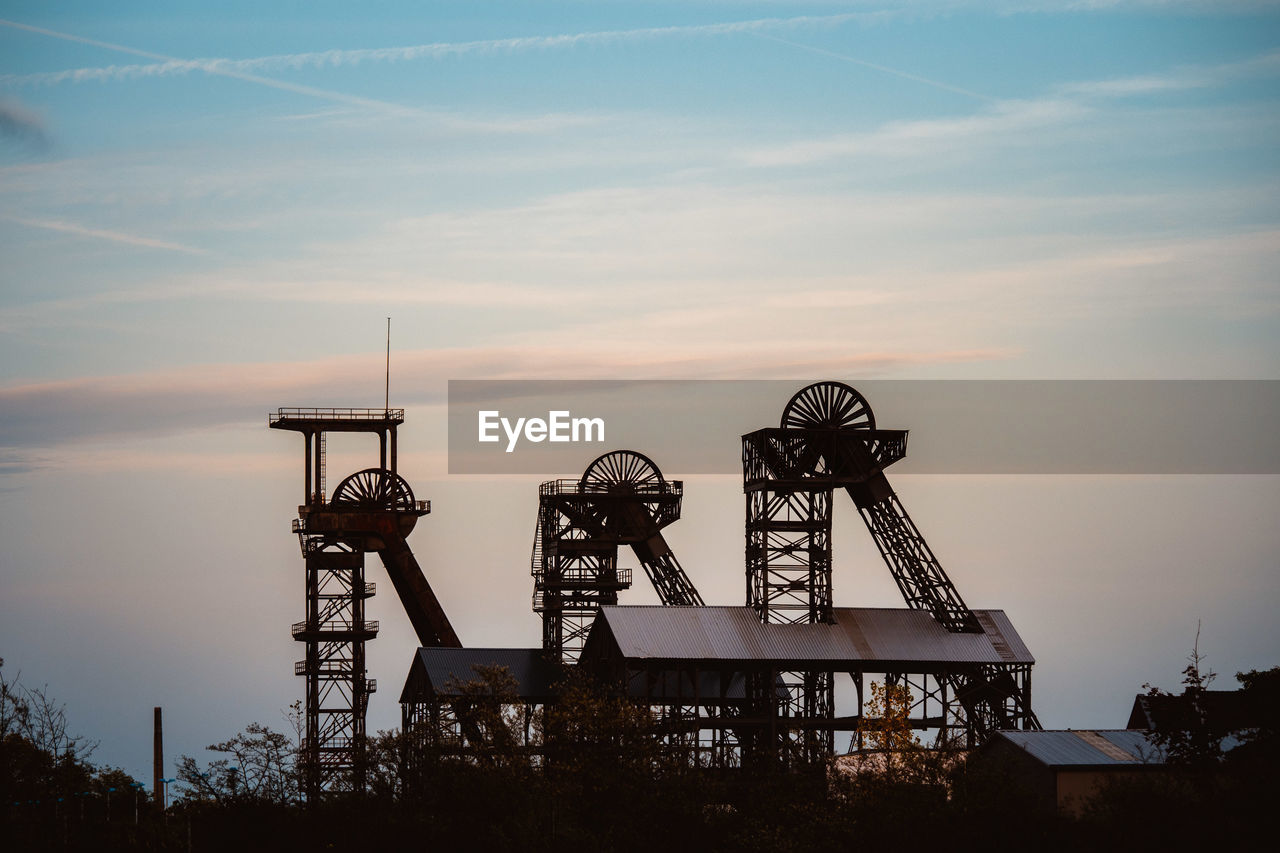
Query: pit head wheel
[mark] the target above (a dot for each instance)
(375, 488)
(828, 405)
(621, 471)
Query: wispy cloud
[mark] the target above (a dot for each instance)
(46, 414)
(1178, 79)
(1003, 121)
(913, 138)
(103, 234)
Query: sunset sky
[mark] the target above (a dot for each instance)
(208, 211)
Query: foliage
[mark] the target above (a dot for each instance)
(261, 767)
(47, 782)
(1194, 739)
(488, 711)
(598, 777)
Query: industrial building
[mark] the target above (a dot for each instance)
(768, 683)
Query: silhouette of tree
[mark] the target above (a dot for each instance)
(1191, 736)
(260, 768)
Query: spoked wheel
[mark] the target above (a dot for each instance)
(375, 488)
(828, 405)
(620, 470)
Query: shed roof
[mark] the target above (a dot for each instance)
(1231, 710)
(1086, 747)
(436, 671)
(858, 635)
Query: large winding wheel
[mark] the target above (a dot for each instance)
(379, 492)
(375, 488)
(828, 405)
(625, 472)
(621, 471)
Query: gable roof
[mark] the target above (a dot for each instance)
(1085, 748)
(436, 669)
(881, 636)
(1229, 710)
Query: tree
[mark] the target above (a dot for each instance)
(1258, 754)
(261, 767)
(1188, 734)
(488, 710)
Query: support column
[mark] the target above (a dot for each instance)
(306, 469)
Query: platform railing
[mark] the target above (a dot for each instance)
(664, 488)
(369, 626)
(333, 413)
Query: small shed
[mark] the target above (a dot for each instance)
(1063, 769)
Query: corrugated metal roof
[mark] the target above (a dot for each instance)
(435, 666)
(1087, 748)
(858, 635)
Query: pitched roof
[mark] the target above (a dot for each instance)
(1229, 710)
(1086, 747)
(883, 636)
(437, 671)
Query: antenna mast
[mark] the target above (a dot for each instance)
(386, 404)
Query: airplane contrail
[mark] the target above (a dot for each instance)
(214, 67)
(102, 234)
(937, 84)
(241, 68)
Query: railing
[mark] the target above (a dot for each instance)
(801, 454)
(335, 414)
(665, 488)
(369, 626)
(338, 666)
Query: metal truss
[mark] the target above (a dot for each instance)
(828, 440)
(789, 555)
(370, 510)
(337, 687)
(917, 572)
(621, 499)
(573, 574)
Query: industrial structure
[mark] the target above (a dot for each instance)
(370, 510)
(621, 499)
(756, 685)
(828, 441)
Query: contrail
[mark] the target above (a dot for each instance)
(103, 234)
(214, 67)
(168, 65)
(883, 68)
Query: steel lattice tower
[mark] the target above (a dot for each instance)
(828, 440)
(621, 499)
(371, 510)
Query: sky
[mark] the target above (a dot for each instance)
(209, 210)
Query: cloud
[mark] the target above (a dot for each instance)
(20, 124)
(46, 414)
(103, 234)
(1003, 122)
(1179, 79)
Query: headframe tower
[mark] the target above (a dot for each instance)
(371, 510)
